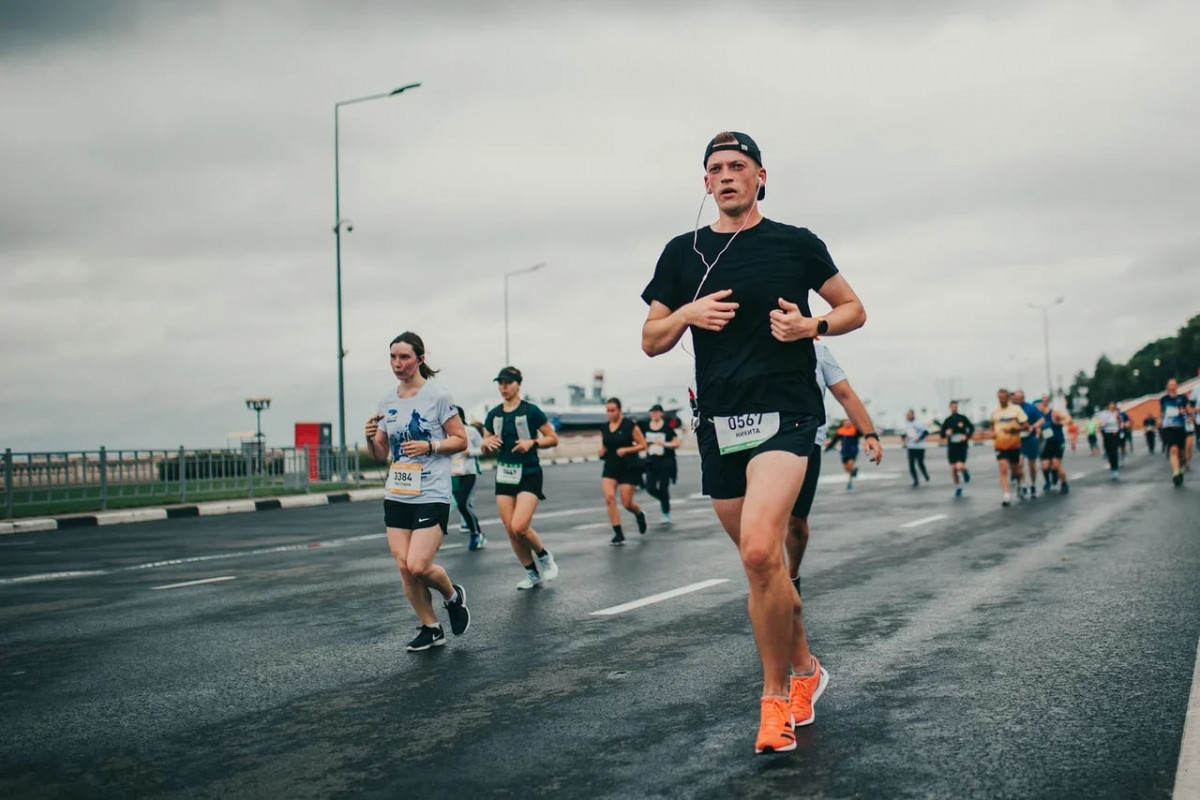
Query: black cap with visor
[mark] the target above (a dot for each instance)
(744, 144)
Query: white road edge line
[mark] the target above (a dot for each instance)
(923, 521)
(195, 583)
(1187, 775)
(1078, 475)
(658, 598)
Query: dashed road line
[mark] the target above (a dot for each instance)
(658, 598)
(923, 521)
(195, 583)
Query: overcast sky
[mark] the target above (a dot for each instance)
(166, 246)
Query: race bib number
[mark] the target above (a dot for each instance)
(656, 450)
(745, 431)
(1047, 433)
(508, 474)
(958, 437)
(654, 442)
(1171, 413)
(404, 479)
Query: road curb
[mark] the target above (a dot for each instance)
(217, 507)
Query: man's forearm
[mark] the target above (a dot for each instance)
(855, 410)
(845, 318)
(660, 335)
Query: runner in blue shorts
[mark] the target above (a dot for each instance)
(1030, 445)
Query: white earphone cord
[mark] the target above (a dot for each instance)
(709, 267)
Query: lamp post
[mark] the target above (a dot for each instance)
(338, 224)
(508, 275)
(258, 405)
(1045, 309)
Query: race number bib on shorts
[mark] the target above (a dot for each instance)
(745, 431)
(654, 444)
(508, 474)
(404, 479)
(957, 438)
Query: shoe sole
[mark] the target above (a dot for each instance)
(462, 599)
(549, 576)
(617, 544)
(430, 646)
(529, 588)
(768, 750)
(821, 684)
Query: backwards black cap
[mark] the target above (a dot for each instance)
(744, 144)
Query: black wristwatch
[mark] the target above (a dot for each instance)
(822, 326)
(871, 435)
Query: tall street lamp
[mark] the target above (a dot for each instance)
(258, 405)
(508, 275)
(1045, 309)
(338, 224)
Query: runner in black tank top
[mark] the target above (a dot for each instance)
(621, 441)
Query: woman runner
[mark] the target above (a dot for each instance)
(661, 467)
(516, 429)
(464, 467)
(621, 441)
(417, 428)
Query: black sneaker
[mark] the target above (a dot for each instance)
(426, 639)
(966, 476)
(1177, 478)
(641, 523)
(460, 615)
(618, 538)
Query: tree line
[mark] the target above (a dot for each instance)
(1146, 372)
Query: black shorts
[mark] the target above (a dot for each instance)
(1052, 449)
(956, 452)
(808, 491)
(1011, 456)
(1173, 437)
(623, 472)
(531, 482)
(1092, 440)
(724, 477)
(849, 455)
(415, 516)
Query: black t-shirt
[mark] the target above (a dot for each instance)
(958, 424)
(664, 434)
(522, 422)
(621, 437)
(742, 368)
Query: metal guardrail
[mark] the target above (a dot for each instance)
(64, 481)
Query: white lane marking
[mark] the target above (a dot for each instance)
(174, 562)
(1187, 774)
(923, 521)
(195, 583)
(1078, 475)
(658, 598)
(451, 546)
(589, 525)
(863, 477)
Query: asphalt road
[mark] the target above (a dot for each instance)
(1040, 651)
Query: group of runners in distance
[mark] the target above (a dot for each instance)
(741, 288)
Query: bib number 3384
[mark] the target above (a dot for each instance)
(745, 431)
(404, 479)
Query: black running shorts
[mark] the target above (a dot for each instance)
(416, 516)
(531, 482)
(1052, 448)
(1173, 437)
(623, 472)
(808, 491)
(956, 452)
(724, 477)
(1011, 456)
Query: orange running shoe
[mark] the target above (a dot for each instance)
(805, 692)
(775, 732)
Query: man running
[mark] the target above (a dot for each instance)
(957, 431)
(831, 376)
(661, 467)
(1109, 422)
(1009, 420)
(914, 435)
(1148, 427)
(1174, 408)
(1093, 436)
(846, 438)
(1030, 446)
(741, 287)
(1053, 446)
